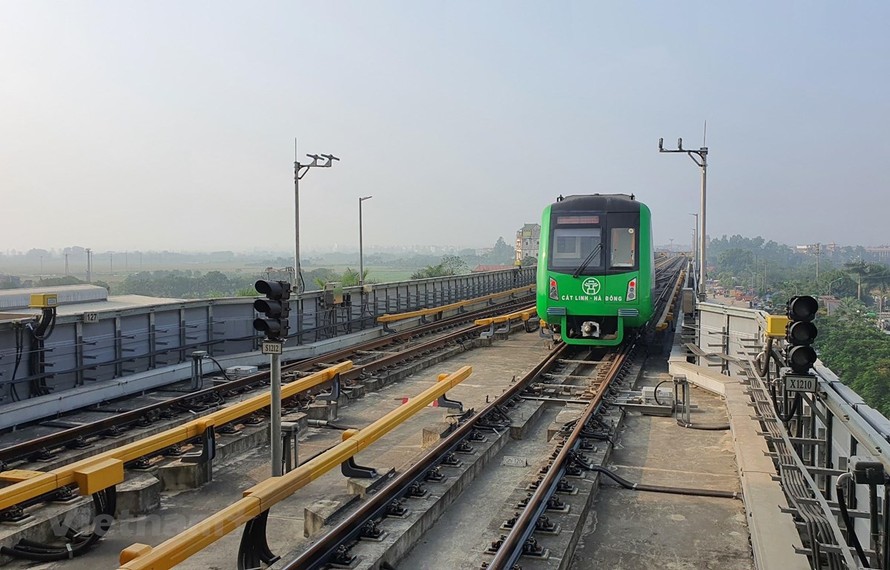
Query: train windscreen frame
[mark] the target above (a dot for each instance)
(573, 236)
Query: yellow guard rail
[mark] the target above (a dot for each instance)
(106, 469)
(262, 496)
(386, 319)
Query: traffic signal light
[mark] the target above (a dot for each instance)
(800, 333)
(275, 306)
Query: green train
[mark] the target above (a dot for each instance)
(596, 268)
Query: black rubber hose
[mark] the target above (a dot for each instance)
(706, 427)
(221, 369)
(106, 504)
(338, 427)
(671, 490)
(766, 356)
(851, 531)
(785, 418)
(656, 391)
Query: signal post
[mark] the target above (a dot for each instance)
(276, 308)
(799, 355)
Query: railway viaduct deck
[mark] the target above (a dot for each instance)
(717, 479)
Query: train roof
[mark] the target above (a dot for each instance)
(597, 202)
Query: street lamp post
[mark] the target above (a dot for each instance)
(361, 259)
(700, 158)
(828, 300)
(833, 281)
(300, 170)
(695, 249)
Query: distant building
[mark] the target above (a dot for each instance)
(527, 241)
(881, 252)
(817, 248)
(483, 268)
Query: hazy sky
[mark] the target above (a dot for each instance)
(170, 125)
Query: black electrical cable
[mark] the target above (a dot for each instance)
(19, 346)
(34, 350)
(218, 365)
(705, 427)
(851, 531)
(659, 489)
(766, 356)
(795, 406)
(40, 331)
(338, 427)
(656, 391)
(105, 502)
(153, 353)
(47, 320)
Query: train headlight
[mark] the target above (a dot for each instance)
(554, 290)
(632, 290)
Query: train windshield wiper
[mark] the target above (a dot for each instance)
(587, 260)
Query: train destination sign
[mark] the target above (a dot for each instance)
(800, 383)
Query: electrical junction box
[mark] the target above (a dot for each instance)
(43, 300)
(241, 371)
(333, 293)
(665, 396)
(775, 325)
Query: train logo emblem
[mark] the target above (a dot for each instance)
(590, 286)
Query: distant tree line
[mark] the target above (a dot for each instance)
(191, 284)
(852, 345)
(16, 282)
(186, 284)
(851, 340)
(776, 271)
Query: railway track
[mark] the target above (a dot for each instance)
(568, 374)
(371, 357)
(570, 460)
(342, 546)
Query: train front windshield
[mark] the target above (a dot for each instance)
(602, 245)
(571, 246)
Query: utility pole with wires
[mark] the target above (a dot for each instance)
(300, 170)
(700, 158)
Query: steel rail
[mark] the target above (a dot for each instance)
(122, 419)
(511, 546)
(321, 551)
(267, 493)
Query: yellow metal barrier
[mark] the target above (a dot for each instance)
(524, 315)
(386, 319)
(91, 474)
(265, 494)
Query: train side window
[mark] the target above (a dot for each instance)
(623, 251)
